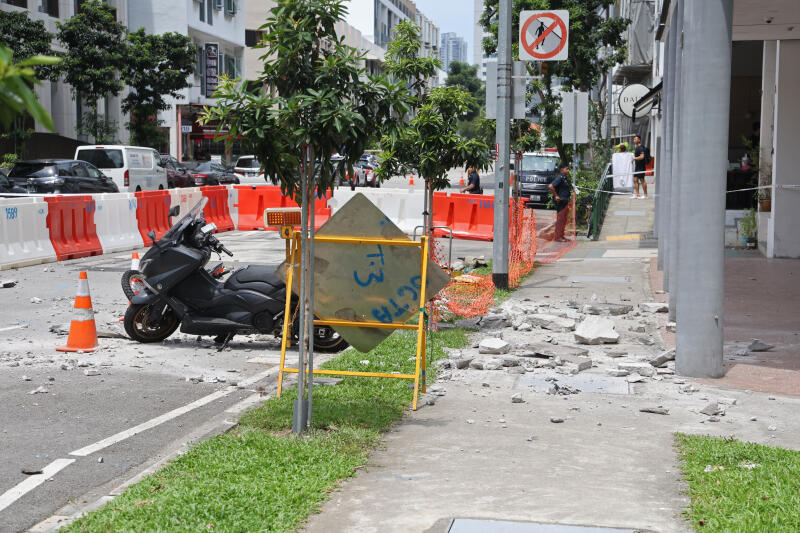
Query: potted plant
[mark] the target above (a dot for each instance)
(748, 229)
(764, 200)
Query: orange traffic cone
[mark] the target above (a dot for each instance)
(82, 331)
(411, 182)
(134, 261)
(461, 181)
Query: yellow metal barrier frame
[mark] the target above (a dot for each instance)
(421, 364)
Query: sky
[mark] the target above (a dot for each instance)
(451, 15)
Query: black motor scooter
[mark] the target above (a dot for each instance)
(176, 290)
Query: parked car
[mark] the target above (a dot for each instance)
(365, 174)
(177, 174)
(8, 186)
(133, 168)
(248, 170)
(372, 159)
(211, 173)
(537, 171)
(61, 176)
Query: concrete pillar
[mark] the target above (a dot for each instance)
(665, 162)
(674, 192)
(765, 233)
(705, 118)
(786, 156)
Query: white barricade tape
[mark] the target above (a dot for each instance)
(24, 236)
(116, 222)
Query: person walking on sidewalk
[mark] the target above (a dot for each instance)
(641, 156)
(473, 183)
(562, 194)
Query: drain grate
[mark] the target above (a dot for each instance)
(468, 525)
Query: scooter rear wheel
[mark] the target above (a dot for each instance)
(142, 326)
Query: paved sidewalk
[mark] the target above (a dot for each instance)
(475, 454)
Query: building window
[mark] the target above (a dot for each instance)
(230, 7)
(202, 10)
(17, 3)
(252, 37)
(49, 6)
(210, 11)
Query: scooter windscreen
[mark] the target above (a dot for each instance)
(187, 219)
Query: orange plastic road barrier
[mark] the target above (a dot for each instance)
(252, 203)
(82, 330)
(471, 216)
(649, 167)
(70, 220)
(152, 213)
(216, 210)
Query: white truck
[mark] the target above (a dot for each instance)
(133, 168)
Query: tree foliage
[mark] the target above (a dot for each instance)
(590, 31)
(16, 96)
(465, 76)
(27, 38)
(157, 66)
(95, 52)
(429, 142)
(322, 99)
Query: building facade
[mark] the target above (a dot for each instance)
(479, 58)
(58, 98)
(217, 29)
(453, 48)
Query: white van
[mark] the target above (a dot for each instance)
(133, 168)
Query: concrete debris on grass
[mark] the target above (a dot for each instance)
(596, 330)
(757, 345)
(7, 283)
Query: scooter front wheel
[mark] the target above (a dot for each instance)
(150, 322)
(132, 283)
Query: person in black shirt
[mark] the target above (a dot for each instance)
(474, 183)
(641, 156)
(562, 194)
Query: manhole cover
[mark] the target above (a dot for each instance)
(466, 525)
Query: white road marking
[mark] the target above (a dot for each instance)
(246, 403)
(9, 328)
(636, 252)
(122, 435)
(22, 488)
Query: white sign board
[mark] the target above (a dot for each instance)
(519, 84)
(575, 118)
(544, 35)
(629, 96)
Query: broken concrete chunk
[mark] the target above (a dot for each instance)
(476, 364)
(635, 378)
(36, 300)
(468, 323)
(643, 369)
(7, 283)
(552, 322)
(655, 410)
(654, 307)
(517, 370)
(727, 401)
(462, 362)
(517, 398)
(758, 346)
(607, 309)
(494, 321)
(596, 330)
(713, 409)
(672, 327)
(493, 364)
(617, 372)
(663, 358)
(510, 360)
(39, 390)
(493, 345)
(582, 363)
(556, 420)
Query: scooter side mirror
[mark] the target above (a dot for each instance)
(175, 211)
(152, 235)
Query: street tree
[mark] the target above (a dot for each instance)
(314, 99)
(465, 76)
(590, 32)
(95, 51)
(156, 66)
(25, 38)
(428, 142)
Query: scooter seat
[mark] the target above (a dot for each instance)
(252, 277)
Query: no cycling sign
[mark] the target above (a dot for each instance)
(544, 35)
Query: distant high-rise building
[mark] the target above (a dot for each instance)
(479, 58)
(454, 48)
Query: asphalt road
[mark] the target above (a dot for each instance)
(134, 385)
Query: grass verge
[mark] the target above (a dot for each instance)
(258, 476)
(728, 494)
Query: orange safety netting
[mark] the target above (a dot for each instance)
(532, 240)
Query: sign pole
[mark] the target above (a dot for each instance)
(501, 194)
(575, 136)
